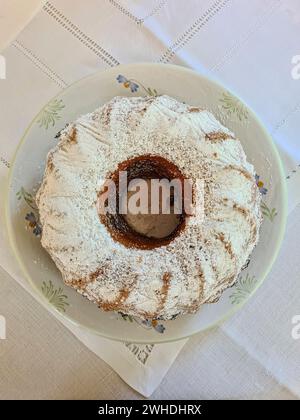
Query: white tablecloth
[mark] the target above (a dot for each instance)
(249, 47)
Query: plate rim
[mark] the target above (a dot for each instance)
(233, 309)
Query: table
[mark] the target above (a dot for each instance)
(41, 359)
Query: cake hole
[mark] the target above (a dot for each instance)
(148, 210)
(159, 225)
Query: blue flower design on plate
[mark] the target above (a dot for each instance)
(260, 185)
(146, 323)
(33, 223)
(127, 83)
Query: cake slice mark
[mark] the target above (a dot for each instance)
(165, 288)
(91, 277)
(217, 136)
(72, 137)
(195, 303)
(253, 227)
(50, 164)
(245, 213)
(137, 117)
(163, 292)
(117, 304)
(93, 133)
(106, 113)
(195, 109)
(242, 171)
(227, 245)
(201, 286)
(227, 282)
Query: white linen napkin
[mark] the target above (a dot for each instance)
(68, 40)
(14, 16)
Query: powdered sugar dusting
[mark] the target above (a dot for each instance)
(202, 261)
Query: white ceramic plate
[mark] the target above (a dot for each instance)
(84, 96)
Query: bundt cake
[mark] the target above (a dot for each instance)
(137, 271)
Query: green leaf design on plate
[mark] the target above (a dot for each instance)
(27, 197)
(50, 114)
(151, 91)
(243, 288)
(233, 106)
(126, 317)
(269, 213)
(55, 296)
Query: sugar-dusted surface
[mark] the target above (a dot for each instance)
(199, 263)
